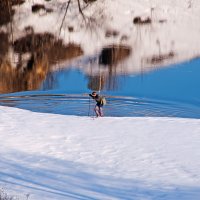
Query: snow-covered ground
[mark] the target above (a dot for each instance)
(52, 157)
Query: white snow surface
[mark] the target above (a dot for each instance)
(54, 157)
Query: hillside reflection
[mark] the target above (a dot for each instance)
(34, 57)
(29, 60)
(27, 63)
(109, 61)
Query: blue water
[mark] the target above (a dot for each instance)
(172, 91)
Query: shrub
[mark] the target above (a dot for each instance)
(5, 196)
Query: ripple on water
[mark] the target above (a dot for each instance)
(116, 106)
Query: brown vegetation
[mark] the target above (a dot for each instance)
(157, 59)
(89, 1)
(44, 50)
(16, 2)
(47, 44)
(37, 8)
(4, 44)
(6, 12)
(141, 21)
(33, 42)
(111, 33)
(14, 80)
(70, 28)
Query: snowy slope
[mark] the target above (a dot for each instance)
(70, 157)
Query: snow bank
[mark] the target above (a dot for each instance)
(71, 157)
(174, 28)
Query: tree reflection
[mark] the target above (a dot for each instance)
(36, 54)
(4, 44)
(96, 82)
(7, 12)
(113, 54)
(27, 61)
(110, 58)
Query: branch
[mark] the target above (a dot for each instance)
(64, 16)
(80, 9)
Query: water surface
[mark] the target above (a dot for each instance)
(166, 92)
(42, 72)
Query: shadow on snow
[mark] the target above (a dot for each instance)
(52, 178)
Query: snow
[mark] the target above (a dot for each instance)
(70, 157)
(178, 33)
(54, 157)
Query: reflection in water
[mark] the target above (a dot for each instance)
(168, 92)
(47, 44)
(36, 54)
(29, 61)
(116, 106)
(111, 57)
(158, 59)
(7, 12)
(26, 62)
(96, 82)
(114, 54)
(4, 44)
(109, 61)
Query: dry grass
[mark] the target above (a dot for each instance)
(5, 196)
(158, 59)
(141, 21)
